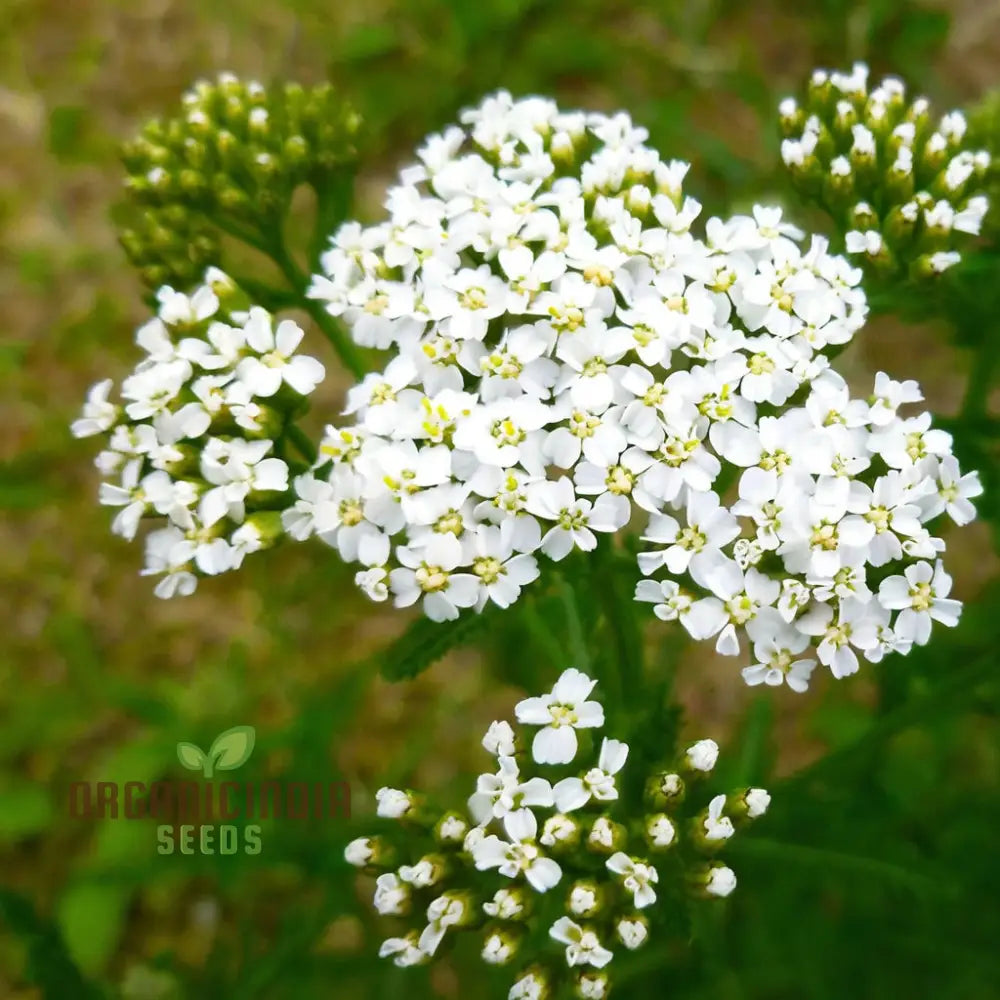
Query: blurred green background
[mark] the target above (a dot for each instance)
(875, 875)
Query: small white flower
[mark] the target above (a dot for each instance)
(392, 895)
(920, 595)
(519, 855)
(583, 947)
(701, 756)
(638, 878)
(633, 932)
(359, 852)
(404, 952)
(597, 783)
(721, 881)
(277, 362)
(393, 803)
(757, 800)
(561, 712)
(660, 830)
(717, 826)
(98, 414)
(499, 739)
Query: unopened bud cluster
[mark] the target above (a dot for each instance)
(581, 861)
(234, 155)
(196, 442)
(903, 187)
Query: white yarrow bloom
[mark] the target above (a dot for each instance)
(560, 713)
(583, 947)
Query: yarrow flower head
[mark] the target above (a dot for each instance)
(827, 555)
(568, 356)
(196, 441)
(906, 189)
(578, 857)
(564, 347)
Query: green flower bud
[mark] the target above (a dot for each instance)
(632, 931)
(450, 830)
(560, 834)
(584, 899)
(371, 854)
(606, 836)
(501, 944)
(509, 904)
(895, 155)
(235, 152)
(592, 985)
(661, 834)
(534, 983)
(665, 790)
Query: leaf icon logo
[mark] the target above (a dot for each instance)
(229, 750)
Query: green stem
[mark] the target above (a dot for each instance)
(977, 391)
(306, 448)
(574, 624)
(625, 633)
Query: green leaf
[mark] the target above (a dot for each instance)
(425, 642)
(91, 916)
(232, 748)
(191, 756)
(49, 965)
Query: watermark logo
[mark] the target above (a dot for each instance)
(229, 751)
(205, 815)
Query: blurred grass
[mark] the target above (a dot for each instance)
(890, 886)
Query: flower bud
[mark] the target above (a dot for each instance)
(392, 896)
(560, 834)
(532, 984)
(393, 803)
(451, 829)
(369, 853)
(509, 904)
(700, 757)
(632, 931)
(665, 790)
(756, 801)
(585, 899)
(660, 832)
(606, 836)
(428, 871)
(500, 945)
(717, 881)
(592, 984)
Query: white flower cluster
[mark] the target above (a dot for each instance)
(563, 344)
(192, 441)
(902, 185)
(828, 544)
(579, 833)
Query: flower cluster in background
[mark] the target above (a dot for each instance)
(580, 869)
(197, 439)
(903, 188)
(229, 162)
